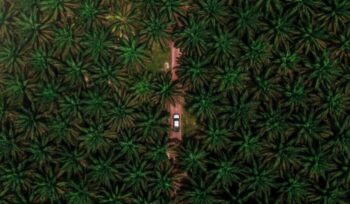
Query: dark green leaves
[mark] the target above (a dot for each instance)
(12, 56)
(132, 53)
(192, 38)
(156, 30)
(35, 30)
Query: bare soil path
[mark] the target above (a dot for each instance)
(175, 54)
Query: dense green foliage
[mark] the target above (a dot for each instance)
(267, 81)
(84, 120)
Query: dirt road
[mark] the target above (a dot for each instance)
(175, 54)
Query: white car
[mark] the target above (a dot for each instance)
(176, 122)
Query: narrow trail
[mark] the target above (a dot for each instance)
(175, 54)
(177, 108)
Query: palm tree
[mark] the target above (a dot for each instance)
(116, 195)
(193, 72)
(47, 95)
(246, 20)
(40, 152)
(136, 175)
(311, 37)
(226, 171)
(342, 46)
(12, 56)
(35, 31)
(107, 72)
(94, 103)
(10, 144)
(174, 9)
(152, 122)
(62, 128)
(124, 18)
(260, 179)
(264, 85)
(132, 53)
(214, 136)
(142, 87)
(293, 190)
(165, 180)
(122, 112)
(130, 145)
(287, 62)
(340, 139)
(203, 103)
(332, 103)
(75, 69)
(43, 64)
(66, 39)
(30, 123)
(193, 157)
(199, 192)
(310, 127)
(238, 110)
(213, 12)
(166, 91)
(329, 192)
(7, 25)
(157, 153)
(302, 9)
(280, 29)
(230, 77)
(270, 6)
(98, 43)
(95, 137)
(334, 15)
(192, 36)
(104, 170)
(324, 71)
(296, 94)
(91, 13)
(282, 154)
(342, 173)
(79, 193)
(256, 53)
(48, 186)
(155, 30)
(73, 162)
(247, 144)
(58, 9)
(223, 46)
(273, 121)
(15, 176)
(20, 88)
(317, 163)
(70, 106)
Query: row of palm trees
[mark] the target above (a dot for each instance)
(84, 121)
(268, 84)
